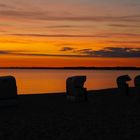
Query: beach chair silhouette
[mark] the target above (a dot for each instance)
(8, 90)
(137, 84)
(75, 90)
(123, 87)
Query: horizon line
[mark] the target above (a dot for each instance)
(78, 67)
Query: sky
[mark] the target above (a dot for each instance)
(61, 33)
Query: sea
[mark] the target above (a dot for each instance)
(38, 81)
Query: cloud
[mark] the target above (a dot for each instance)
(124, 42)
(3, 5)
(68, 26)
(67, 49)
(124, 25)
(65, 44)
(58, 35)
(105, 35)
(3, 31)
(28, 53)
(62, 26)
(116, 52)
(13, 52)
(15, 41)
(21, 14)
(112, 52)
(40, 15)
(4, 52)
(88, 52)
(6, 6)
(122, 35)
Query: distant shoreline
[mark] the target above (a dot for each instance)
(76, 68)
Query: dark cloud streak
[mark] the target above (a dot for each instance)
(67, 49)
(124, 26)
(116, 52)
(110, 52)
(61, 26)
(39, 15)
(3, 5)
(124, 42)
(78, 35)
(58, 35)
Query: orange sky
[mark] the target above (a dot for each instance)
(67, 33)
(68, 62)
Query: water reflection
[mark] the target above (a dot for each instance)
(48, 81)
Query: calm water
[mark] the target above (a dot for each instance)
(48, 81)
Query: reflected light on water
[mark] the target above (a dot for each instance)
(49, 81)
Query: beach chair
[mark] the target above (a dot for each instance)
(8, 90)
(75, 90)
(122, 84)
(137, 84)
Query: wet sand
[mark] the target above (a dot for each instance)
(51, 116)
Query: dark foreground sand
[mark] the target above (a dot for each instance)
(106, 115)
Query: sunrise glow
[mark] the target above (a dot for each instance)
(59, 33)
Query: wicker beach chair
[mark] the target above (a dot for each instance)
(122, 84)
(8, 90)
(137, 84)
(75, 90)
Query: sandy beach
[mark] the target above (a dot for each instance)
(51, 116)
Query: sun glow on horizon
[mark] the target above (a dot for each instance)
(69, 33)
